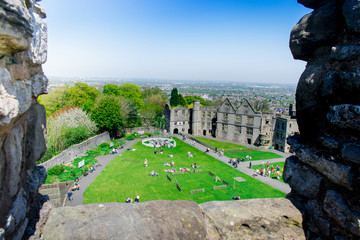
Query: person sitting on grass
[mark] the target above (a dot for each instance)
(137, 199)
(184, 169)
(145, 163)
(236, 198)
(153, 173)
(172, 163)
(129, 200)
(169, 155)
(167, 164)
(194, 165)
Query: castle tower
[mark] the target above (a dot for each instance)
(196, 117)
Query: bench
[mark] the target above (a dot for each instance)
(178, 187)
(197, 190)
(196, 171)
(211, 174)
(169, 178)
(177, 173)
(225, 182)
(219, 187)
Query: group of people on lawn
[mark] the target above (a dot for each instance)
(170, 164)
(269, 171)
(130, 200)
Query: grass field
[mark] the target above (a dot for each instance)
(220, 145)
(255, 154)
(280, 164)
(126, 176)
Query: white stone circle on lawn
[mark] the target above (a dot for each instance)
(156, 142)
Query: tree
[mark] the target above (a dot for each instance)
(150, 114)
(154, 96)
(107, 114)
(174, 97)
(126, 90)
(181, 100)
(80, 95)
(261, 105)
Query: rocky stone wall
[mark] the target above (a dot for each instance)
(23, 48)
(324, 173)
(76, 151)
(266, 219)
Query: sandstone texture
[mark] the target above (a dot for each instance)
(244, 219)
(23, 48)
(324, 172)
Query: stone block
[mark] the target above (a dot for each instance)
(351, 152)
(345, 116)
(15, 27)
(2, 165)
(13, 147)
(335, 206)
(329, 142)
(35, 119)
(254, 219)
(18, 210)
(9, 105)
(337, 173)
(301, 178)
(351, 12)
(316, 29)
(38, 46)
(20, 232)
(35, 178)
(147, 220)
(39, 84)
(345, 52)
(313, 3)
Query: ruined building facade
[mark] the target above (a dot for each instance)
(324, 173)
(243, 125)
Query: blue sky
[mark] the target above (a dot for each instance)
(224, 40)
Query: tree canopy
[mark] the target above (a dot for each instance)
(80, 95)
(107, 113)
(127, 90)
(174, 97)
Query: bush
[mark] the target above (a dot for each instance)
(75, 135)
(56, 170)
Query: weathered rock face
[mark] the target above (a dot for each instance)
(244, 219)
(324, 173)
(23, 48)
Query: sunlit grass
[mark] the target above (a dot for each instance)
(126, 176)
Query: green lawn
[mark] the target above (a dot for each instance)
(126, 176)
(255, 155)
(220, 145)
(279, 164)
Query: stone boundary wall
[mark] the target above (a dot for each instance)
(145, 129)
(76, 151)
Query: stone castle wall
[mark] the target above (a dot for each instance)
(324, 173)
(23, 48)
(76, 151)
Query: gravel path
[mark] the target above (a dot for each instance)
(78, 195)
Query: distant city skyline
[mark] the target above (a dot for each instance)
(217, 40)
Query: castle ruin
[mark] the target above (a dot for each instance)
(243, 125)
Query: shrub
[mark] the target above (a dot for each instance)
(56, 170)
